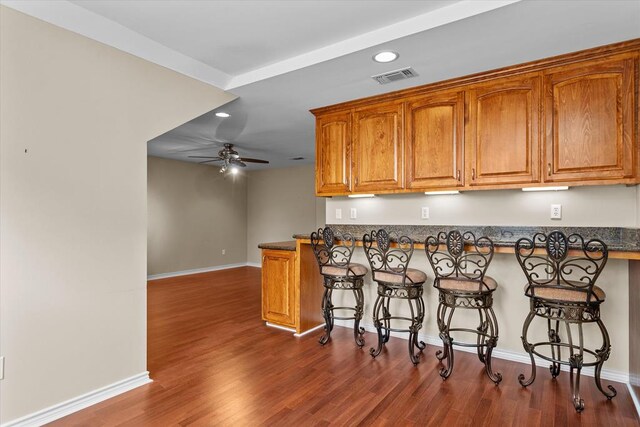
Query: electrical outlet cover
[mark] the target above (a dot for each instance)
(338, 213)
(556, 212)
(354, 213)
(424, 214)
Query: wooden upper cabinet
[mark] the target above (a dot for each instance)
(333, 153)
(434, 141)
(503, 142)
(589, 118)
(377, 148)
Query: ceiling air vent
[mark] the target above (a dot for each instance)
(395, 75)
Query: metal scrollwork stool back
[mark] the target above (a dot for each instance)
(389, 268)
(461, 282)
(339, 273)
(563, 289)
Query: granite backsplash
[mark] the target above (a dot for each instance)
(616, 238)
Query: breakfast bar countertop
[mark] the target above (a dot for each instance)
(617, 239)
(279, 246)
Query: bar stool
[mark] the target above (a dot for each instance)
(395, 280)
(339, 273)
(563, 289)
(461, 280)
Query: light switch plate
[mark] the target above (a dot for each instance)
(338, 213)
(353, 214)
(556, 212)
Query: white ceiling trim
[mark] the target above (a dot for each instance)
(417, 24)
(82, 21)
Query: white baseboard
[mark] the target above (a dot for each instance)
(70, 406)
(282, 328)
(513, 356)
(201, 270)
(634, 397)
(254, 264)
(315, 328)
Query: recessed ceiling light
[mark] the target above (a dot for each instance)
(222, 114)
(385, 56)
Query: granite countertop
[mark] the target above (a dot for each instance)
(279, 246)
(616, 238)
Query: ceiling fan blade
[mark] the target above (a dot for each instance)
(249, 160)
(237, 162)
(208, 161)
(205, 157)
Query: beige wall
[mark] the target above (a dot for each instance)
(602, 206)
(281, 202)
(73, 207)
(194, 212)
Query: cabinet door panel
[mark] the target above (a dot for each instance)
(434, 138)
(377, 147)
(333, 153)
(278, 287)
(504, 136)
(589, 121)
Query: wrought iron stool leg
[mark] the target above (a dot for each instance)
(556, 354)
(387, 322)
(482, 340)
(413, 331)
(528, 349)
(327, 314)
(491, 344)
(358, 332)
(575, 363)
(378, 324)
(448, 343)
(420, 344)
(602, 354)
(441, 313)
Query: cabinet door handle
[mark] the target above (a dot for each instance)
(473, 174)
(548, 169)
(458, 175)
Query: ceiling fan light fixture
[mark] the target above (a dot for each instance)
(222, 114)
(385, 56)
(234, 170)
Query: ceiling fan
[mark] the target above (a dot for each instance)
(230, 158)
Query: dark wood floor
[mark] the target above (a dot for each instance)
(214, 362)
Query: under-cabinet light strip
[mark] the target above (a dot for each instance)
(561, 188)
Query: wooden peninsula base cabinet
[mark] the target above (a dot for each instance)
(291, 287)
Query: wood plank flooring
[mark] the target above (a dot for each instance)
(214, 362)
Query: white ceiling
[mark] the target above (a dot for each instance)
(240, 36)
(252, 56)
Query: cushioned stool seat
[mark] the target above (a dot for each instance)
(565, 295)
(413, 276)
(352, 269)
(467, 285)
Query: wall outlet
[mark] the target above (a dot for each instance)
(353, 214)
(338, 213)
(2, 368)
(556, 212)
(224, 252)
(424, 213)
